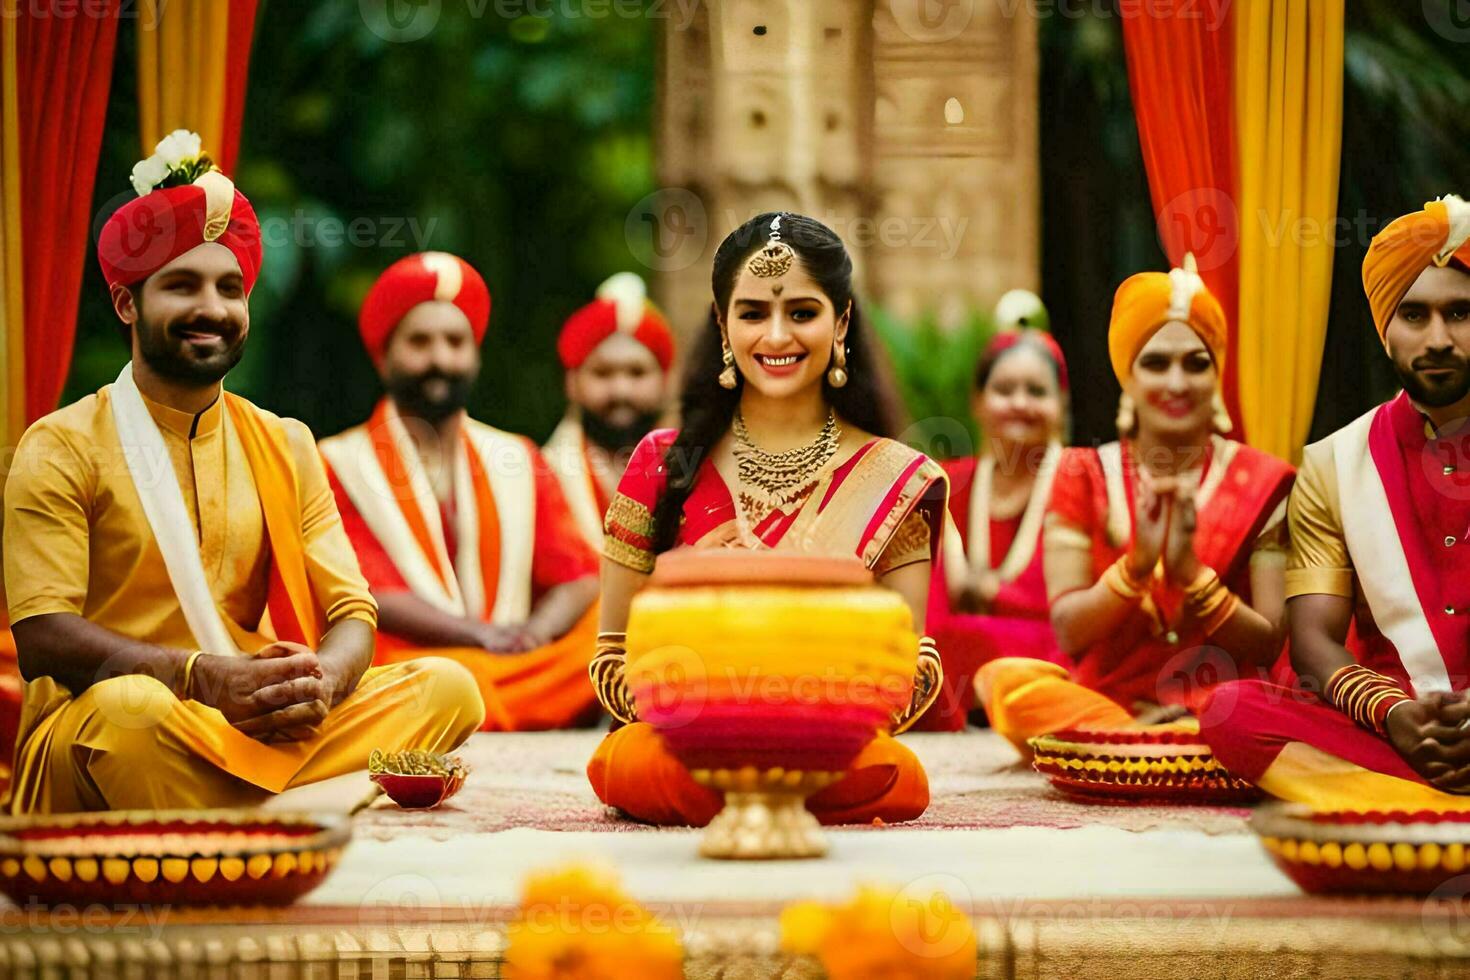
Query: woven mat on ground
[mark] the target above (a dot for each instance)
(538, 780)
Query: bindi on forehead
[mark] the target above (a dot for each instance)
(776, 289)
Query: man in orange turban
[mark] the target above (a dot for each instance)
(1380, 548)
(462, 529)
(186, 607)
(1162, 551)
(617, 351)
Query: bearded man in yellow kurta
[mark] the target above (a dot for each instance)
(189, 615)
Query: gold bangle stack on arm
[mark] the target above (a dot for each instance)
(1209, 603)
(607, 674)
(1120, 581)
(928, 680)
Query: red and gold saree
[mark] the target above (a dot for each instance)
(885, 504)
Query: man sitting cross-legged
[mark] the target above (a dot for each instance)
(189, 616)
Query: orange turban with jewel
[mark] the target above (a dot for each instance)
(1437, 235)
(424, 278)
(1148, 300)
(621, 306)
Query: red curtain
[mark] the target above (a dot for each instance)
(1180, 71)
(64, 72)
(237, 70)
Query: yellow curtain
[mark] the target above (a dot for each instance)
(12, 309)
(181, 70)
(1288, 116)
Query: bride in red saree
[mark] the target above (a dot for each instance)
(786, 446)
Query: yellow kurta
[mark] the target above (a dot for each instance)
(77, 541)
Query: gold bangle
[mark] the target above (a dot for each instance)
(189, 674)
(1211, 621)
(1204, 584)
(928, 682)
(609, 684)
(1121, 582)
(1364, 695)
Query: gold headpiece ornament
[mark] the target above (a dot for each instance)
(775, 257)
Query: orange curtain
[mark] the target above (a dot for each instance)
(1288, 112)
(12, 291)
(62, 68)
(208, 43)
(1239, 106)
(1180, 70)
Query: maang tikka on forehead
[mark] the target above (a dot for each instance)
(775, 257)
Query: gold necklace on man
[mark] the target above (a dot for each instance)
(773, 481)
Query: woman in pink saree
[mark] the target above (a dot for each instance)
(785, 446)
(989, 594)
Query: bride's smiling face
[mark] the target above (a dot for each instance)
(782, 330)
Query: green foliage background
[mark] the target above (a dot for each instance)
(522, 142)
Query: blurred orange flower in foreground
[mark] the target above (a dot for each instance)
(575, 923)
(886, 934)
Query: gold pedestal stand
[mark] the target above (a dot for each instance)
(765, 815)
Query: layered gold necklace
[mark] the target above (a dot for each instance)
(777, 480)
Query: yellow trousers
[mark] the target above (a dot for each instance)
(1025, 698)
(128, 743)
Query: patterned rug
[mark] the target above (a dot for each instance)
(538, 780)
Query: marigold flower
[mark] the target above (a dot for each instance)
(575, 923)
(884, 934)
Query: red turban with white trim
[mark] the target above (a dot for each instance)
(148, 233)
(424, 278)
(621, 306)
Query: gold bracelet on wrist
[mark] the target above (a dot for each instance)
(1365, 696)
(606, 672)
(1120, 581)
(928, 682)
(1205, 583)
(1212, 621)
(1208, 602)
(186, 690)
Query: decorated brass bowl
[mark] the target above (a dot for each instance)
(1138, 765)
(416, 779)
(766, 674)
(163, 857)
(1365, 852)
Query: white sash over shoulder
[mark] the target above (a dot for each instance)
(168, 518)
(1378, 557)
(458, 589)
(566, 454)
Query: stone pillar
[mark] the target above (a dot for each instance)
(955, 155)
(764, 106)
(908, 126)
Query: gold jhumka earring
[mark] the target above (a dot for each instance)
(728, 377)
(837, 373)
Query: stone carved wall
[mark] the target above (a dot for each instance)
(909, 126)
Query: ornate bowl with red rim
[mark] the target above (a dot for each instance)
(766, 674)
(163, 857)
(1377, 852)
(416, 779)
(1154, 765)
